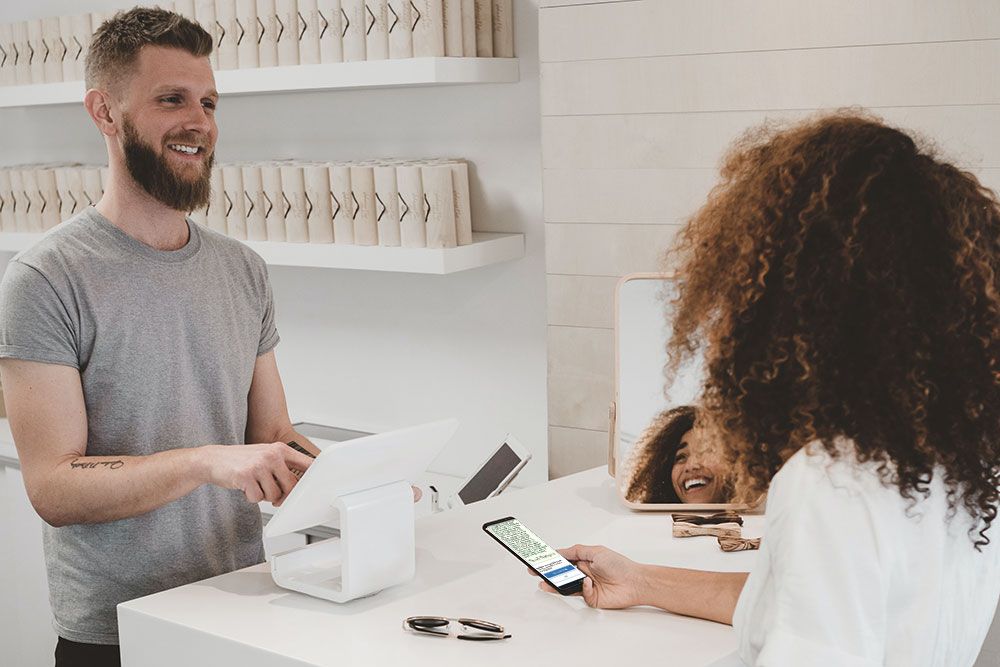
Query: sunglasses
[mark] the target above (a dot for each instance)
(470, 629)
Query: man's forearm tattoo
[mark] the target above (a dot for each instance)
(113, 465)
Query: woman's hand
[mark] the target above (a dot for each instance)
(613, 581)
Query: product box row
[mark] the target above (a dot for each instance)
(271, 33)
(408, 203)
(268, 33)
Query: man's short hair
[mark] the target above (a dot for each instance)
(117, 42)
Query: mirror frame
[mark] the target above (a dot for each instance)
(613, 435)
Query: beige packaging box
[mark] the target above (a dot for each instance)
(363, 198)
(32, 199)
(376, 30)
(319, 215)
(236, 213)
(83, 32)
(255, 202)
(36, 52)
(228, 34)
(503, 29)
(22, 54)
(463, 204)
(74, 182)
(331, 36)
(267, 34)
(310, 29)
(274, 214)
(6, 202)
(185, 8)
(412, 228)
(92, 188)
(293, 198)
(67, 204)
(469, 28)
(68, 49)
(48, 194)
(205, 14)
(8, 74)
(355, 40)
(247, 55)
(439, 202)
(19, 200)
(399, 13)
(387, 205)
(55, 50)
(454, 44)
(215, 215)
(428, 28)
(484, 28)
(289, 28)
(342, 204)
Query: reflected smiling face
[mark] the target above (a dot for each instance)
(697, 478)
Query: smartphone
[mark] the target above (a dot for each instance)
(540, 557)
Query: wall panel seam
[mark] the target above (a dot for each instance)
(790, 49)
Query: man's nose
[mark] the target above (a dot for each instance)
(198, 119)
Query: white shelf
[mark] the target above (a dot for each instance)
(395, 73)
(485, 249)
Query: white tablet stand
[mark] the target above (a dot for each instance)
(365, 482)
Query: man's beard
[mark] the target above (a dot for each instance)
(155, 175)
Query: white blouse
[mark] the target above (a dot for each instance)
(848, 575)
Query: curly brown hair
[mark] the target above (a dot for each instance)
(846, 283)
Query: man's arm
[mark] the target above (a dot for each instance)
(48, 419)
(267, 410)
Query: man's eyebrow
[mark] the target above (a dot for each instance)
(162, 90)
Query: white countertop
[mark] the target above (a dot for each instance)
(244, 618)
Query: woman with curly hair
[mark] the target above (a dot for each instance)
(845, 283)
(670, 466)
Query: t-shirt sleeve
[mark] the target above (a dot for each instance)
(829, 581)
(35, 324)
(268, 331)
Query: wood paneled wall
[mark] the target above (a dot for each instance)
(640, 99)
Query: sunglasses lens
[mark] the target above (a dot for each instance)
(427, 622)
(485, 626)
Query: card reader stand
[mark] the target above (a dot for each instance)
(375, 549)
(364, 483)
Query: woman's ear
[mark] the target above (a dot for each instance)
(98, 104)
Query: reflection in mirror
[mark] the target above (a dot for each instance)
(661, 458)
(671, 463)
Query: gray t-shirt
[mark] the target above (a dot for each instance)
(165, 342)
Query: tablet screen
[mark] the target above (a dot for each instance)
(491, 475)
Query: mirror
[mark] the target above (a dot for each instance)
(656, 458)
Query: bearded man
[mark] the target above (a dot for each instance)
(136, 354)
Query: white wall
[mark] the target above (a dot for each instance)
(371, 350)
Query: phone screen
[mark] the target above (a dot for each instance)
(490, 476)
(537, 554)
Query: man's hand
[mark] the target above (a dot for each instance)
(613, 581)
(261, 472)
